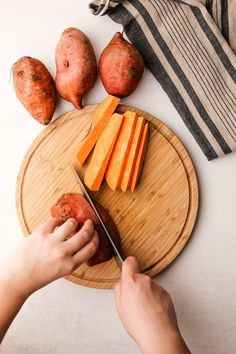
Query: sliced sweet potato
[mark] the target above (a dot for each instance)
(119, 155)
(102, 152)
(140, 158)
(100, 119)
(107, 106)
(132, 156)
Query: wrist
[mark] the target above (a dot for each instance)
(164, 341)
(12, 286)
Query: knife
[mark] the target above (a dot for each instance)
(117, 254)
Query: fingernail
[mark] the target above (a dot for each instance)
(73, 222)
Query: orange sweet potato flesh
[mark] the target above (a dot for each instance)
(120, 152)
(35, 88)
(76, 66)
(106, 107)
(132, 156)
(101, 117)
(73, 205)
(103, 149)
(140, 158)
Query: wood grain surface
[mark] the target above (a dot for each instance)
(155, 221)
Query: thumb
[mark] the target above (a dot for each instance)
(130, 267)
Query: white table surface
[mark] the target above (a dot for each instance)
(65, 318)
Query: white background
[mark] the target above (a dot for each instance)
(64, 318)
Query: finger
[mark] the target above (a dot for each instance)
(130, 267)
(85, 253)
(79, 240)
(50, 225)
(66, 229)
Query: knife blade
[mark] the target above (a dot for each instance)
(117, 254)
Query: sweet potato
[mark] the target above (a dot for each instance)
(104, 251)
(35, 88)
(132, 156)
(121, 67)
(76, 66)
(120, 152)
(72, 205)
(103, 149)
(140, 158)
(100, 119)
(105, 108)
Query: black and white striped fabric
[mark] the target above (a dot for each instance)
(189, 47)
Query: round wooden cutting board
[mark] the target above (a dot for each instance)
(155, 221)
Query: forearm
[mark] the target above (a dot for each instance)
(44, 256)
(170, 343)
(11, 302)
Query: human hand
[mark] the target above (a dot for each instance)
(47, 254)
(147, 312)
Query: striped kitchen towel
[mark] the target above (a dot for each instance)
(189, 47)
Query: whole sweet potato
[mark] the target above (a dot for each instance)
(72, 205)
(35, 88)
(121, 67)
(76, 66)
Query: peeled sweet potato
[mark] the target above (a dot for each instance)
(76, 66)
(72, 205)
(117, 162)
(101, 117)
(35, 88)
(102, 152)
(132, 155)
(140, 158)
(121, 67)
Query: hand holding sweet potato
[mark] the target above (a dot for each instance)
(72, 205)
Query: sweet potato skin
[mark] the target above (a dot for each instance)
(73, 205)
(104, 251)
(76, 67)
(120, 66)
(35, 88)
